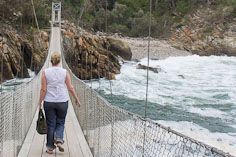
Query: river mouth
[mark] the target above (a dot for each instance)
(193, 95)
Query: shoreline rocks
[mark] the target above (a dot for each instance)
(205, 35)
(18, 54)
(91, 56)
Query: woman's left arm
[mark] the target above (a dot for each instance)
(43, 89)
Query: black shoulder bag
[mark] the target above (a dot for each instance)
(41, 123)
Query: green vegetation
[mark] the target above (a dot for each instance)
(131, 18)
(20, 13)
(128, 17)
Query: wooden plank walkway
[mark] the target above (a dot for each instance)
(75, 144)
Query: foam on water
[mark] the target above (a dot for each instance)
(202, 87)
(210, 112)
(206, 79)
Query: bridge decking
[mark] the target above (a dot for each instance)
(75, 144)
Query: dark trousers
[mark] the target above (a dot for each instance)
(55, 117)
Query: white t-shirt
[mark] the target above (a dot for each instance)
(56, 87)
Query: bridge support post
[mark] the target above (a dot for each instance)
(56, 14)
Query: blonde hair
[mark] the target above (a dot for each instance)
(55, 58)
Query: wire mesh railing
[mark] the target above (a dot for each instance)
(111, 131)
(17, 109)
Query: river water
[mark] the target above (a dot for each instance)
(193, 95)
(9, 85)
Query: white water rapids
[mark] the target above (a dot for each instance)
(193, 95)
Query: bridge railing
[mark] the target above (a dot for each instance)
(17, 109)
(16, 114)
(111, 131)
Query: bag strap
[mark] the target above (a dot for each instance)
(40, 115)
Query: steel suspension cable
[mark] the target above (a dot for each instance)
(35, 16)
(85, 97)
(22, 47)
(20, 50)
(31, 60)
(147, 83)
(2, 59)
(23, 60)
(82, 12)
(106, 17)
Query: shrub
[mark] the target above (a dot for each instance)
(182, 6)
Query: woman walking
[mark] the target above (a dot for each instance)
(55, 84)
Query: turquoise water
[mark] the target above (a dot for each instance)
(159, 112)
(193, 95)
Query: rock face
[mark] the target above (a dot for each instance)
(17, 54)
(120, 48)
(39, 47)
(91, 56)
(205, 34)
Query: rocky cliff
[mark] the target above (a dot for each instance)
(88, 55)
(19, 52)
(207, 32)
(93, 56)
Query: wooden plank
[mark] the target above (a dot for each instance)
(73, 142)
(36, 147)
(79, 133)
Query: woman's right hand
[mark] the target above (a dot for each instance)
(77, 102)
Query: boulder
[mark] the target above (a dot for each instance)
(89, 56)
(153, 69)
(181, 76)
(120, 48)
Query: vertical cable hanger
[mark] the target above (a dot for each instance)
(31, 60)
(91, 74)
(106, 17)
(82, 12)
(20, 71)
(108, 61)
(23, 60)
(2, 61)
(1, 71)
(148, 57)
(35, 16)
(99, 77)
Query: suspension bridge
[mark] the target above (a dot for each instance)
(95, 129)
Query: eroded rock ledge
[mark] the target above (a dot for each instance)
(18, 53)
(92, 56)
